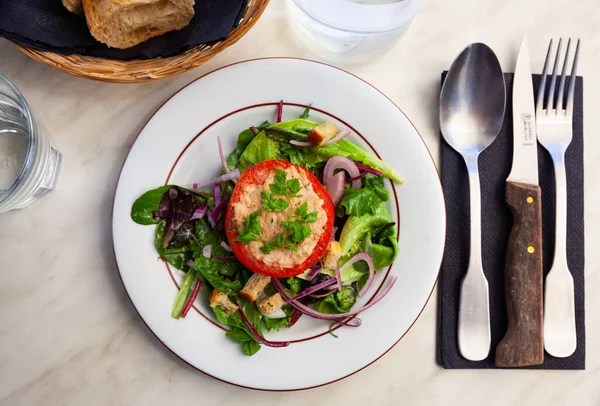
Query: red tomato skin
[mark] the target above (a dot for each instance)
(257, 175)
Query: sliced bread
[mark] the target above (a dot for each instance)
(74, 6)
(125, 23)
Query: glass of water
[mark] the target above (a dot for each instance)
(351, 31)
(29, 162)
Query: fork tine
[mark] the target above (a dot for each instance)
(572, 80)
(550, 101)
(542, 89)
(561, 88)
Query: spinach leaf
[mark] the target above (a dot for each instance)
(239, 335)
(250, 347)
(209, 269)
(142, 211)
(178, 257)
(239, 332)
(204, 233)
(365, 200)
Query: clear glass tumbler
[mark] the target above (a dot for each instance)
(351, 31)
(29, 161)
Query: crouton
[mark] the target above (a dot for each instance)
(321, 134)
(332, 255)
(254, 286)
(271, 304)
(220, 299)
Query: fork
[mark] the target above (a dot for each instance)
(555, 132)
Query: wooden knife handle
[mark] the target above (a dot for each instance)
(523, 343)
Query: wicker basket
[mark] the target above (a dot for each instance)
(134, 71)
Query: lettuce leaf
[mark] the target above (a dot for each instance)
(358, 202)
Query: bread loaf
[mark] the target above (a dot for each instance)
(125, 23)
(74, 6)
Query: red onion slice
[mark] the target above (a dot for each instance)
(223, 160)
(314, 288)
(279, 111)
(359, 177)
(254, 130)
(235, 174)
(314, 270)
(366, 168)
(216, 213)
(340, 162)
(224, 259)
(335, 188)
(217, 191)
(338, 277)
(226, 246)
(341, 135)
(362, 256)
(295, 317)
(206, 251)
(255, 333)
(190, 302)
(332, 317)
(301, 143)
(199, 212)
(322, 295)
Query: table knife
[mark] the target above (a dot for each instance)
(523, 343)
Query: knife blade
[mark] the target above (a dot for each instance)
(523, 344)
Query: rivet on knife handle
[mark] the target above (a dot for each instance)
(523, 344)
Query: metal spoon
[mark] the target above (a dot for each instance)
(472, 105)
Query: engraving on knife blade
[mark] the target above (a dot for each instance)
(528, 138)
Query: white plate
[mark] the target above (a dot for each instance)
(179, 144)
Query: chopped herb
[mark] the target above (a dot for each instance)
(252, 229)
(271, 203)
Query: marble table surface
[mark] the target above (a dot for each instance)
(68, 333)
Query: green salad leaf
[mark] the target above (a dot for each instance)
(178, 257)
(239, 332)
(306, 112)
(276, 324)
(365, 200)
(142, 211)
(339, 302)
(356, 228)
(262, 147)
(210, 268)
(244, 139)
(183, 294)
(351, 151)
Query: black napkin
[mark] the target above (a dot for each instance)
(47, 25)
(494, 165)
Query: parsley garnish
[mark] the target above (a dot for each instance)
(252, 229)
(278, 200)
